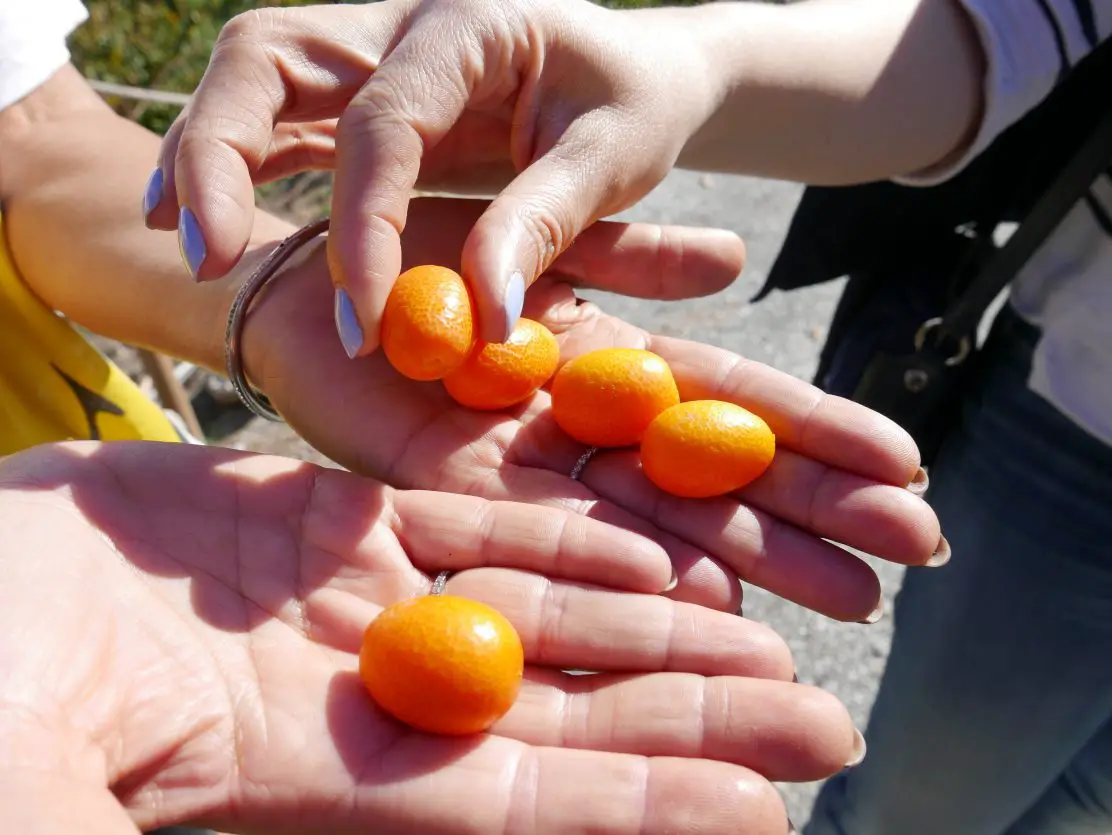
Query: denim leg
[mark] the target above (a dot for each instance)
(1080, 801)
(1000, 674)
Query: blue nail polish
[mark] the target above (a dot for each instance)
(153, 195)
(191, 241)
(514, 300)
(347, 323)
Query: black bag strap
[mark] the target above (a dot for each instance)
(1071, 184)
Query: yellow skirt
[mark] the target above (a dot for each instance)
(55, 385)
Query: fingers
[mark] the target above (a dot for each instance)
(493, 783)
(297, 147)
(410, 103)
(789, 732)
(701, 579)
(888, 522)
(760, 548)
(496, 784)
(570, 627)
(614, 794)
(634, 259)
(450, 532)
(647, 261)
(830, 429)
(267, 66)
(529, 225)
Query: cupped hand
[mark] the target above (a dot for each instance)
(578, 111)
(179, 629)
(841, 472)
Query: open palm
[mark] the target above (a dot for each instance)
(179, 628)
(841, 471)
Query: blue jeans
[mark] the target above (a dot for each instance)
(994, 715)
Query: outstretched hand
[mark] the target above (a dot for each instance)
(841, 472)
(178, 629)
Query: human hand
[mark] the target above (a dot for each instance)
(179, 628)
(583, 110)
(839, 474)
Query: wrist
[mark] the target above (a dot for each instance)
(836, 92)
(279, 309)
(684, 61)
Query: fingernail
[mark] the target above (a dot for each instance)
(347, 323)
(919, 484)
(190, 241)
(859, 747)
(514, 300)
(941, 554)
(876, 614)
(153, 195)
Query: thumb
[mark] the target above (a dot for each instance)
(535, 219)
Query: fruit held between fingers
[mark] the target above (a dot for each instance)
(497, 376)
(428, 325)
(705, 448)
(606, 398)
(442, 664)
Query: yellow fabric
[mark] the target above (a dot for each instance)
(55, 385)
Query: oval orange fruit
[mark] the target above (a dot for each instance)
(428, 325)
(706, 448)
(497, 376)
(606, 398)
(442, 664)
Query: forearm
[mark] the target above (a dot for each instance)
(835, 91)
(73, 175)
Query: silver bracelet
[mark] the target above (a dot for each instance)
(257, 402)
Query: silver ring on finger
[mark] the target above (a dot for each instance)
(581, 464)
(440, 582)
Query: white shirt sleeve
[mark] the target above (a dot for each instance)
(1028, 46)
(33, 43)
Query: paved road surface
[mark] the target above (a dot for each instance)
(784, 331)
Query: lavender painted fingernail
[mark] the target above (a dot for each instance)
(347, 323)
(153, 195)
(514, 300)
(191, 241)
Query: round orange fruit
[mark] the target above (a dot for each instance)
(606, 398)
(428, 326)
(442, 664)
(497, 376)
(706, 448)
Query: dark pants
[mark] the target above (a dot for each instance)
(994, 715)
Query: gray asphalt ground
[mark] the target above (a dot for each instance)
(785, 331)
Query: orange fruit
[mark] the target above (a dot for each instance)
(442, 664)
(606, 398)
(428, 326)
(706, 448)
(498, 376)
